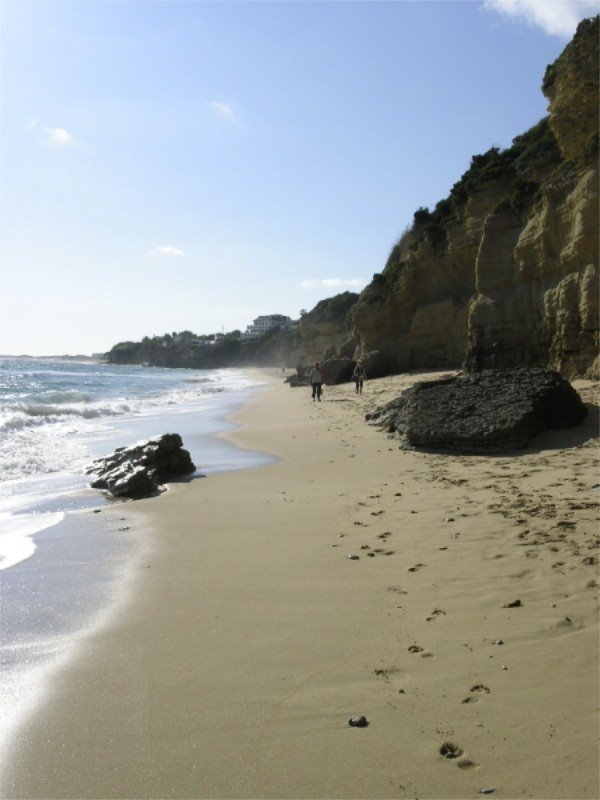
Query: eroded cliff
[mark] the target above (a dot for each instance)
(503, 272)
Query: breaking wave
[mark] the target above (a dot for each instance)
(48, 408)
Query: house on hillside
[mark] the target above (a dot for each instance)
(265, 323)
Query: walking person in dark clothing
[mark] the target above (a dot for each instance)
(359, 376)
(316, 381)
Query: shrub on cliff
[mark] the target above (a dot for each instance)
(331, 309)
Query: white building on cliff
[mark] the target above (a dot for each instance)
(266, 323)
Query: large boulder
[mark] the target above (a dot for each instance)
(337, 370)
(486, 412)
(139, 470)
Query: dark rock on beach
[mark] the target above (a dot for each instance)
(294, 381)
(358, 722)
(337, 370)
(493, 411)
(139, 470)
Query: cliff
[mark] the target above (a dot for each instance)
(504, 271)
(325, 331)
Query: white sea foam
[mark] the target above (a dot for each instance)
(16, 532)
(43, 431)
(42, 449)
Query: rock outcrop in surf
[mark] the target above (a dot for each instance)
(141, 469)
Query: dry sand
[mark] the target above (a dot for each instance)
(250, 637)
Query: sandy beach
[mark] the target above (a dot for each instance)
(249, 636)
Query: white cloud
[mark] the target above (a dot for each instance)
(342, 282)
(555, 17)
(222, 110)
(332, 283)
(58, 136)
(54, 136)
(168, 250)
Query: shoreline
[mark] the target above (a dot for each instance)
(250, 637)
(71, 564)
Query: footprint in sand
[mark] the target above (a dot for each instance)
(435, 613)
(450, 750)
(388, 673)
(476, 693)
(466, 763)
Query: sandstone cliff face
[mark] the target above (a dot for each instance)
(324, 330)
(505, 271)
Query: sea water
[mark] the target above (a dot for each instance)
(60, 570)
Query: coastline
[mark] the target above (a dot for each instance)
(249, 637)
(67, 550)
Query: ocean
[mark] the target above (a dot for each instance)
(56, 416)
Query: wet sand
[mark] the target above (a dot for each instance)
(250, 637)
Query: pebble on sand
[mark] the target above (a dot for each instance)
(358, 722)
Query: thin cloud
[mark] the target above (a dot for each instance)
(557, 18)
(222, 110)
(332, 283)
(168, 250)
(59, 136)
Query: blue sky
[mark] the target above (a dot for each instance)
(191, 165)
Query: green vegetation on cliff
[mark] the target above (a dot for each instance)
(517, 174)
(186, 349)
(332, 309)
(517, 170)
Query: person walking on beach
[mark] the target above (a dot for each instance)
(359, 376)
(316, 381)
